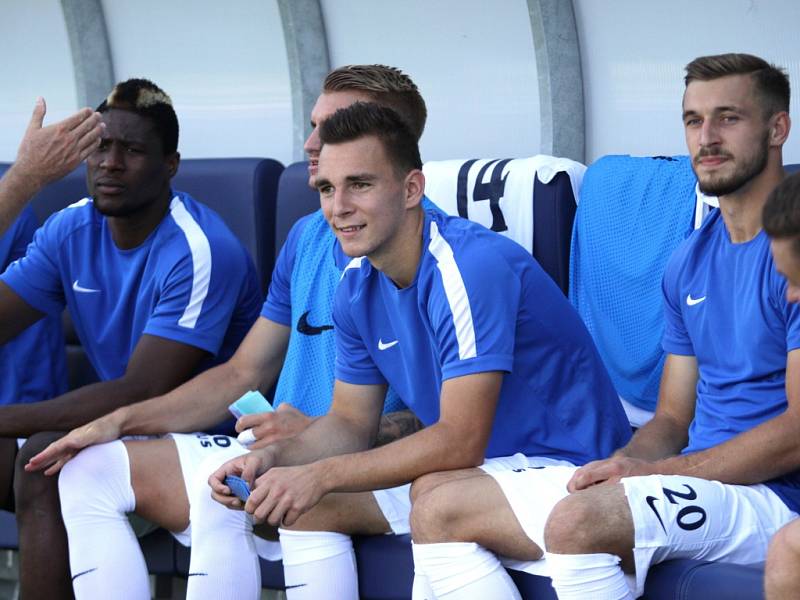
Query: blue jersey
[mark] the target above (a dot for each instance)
(726, 305)
(33, 364)
(480, 302)
(301, 292)
(190, 281)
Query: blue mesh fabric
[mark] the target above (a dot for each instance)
(306, 380)
(633, 213)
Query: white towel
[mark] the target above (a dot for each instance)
(510, 182)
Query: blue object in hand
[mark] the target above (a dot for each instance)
(238, 486)
(252, 402)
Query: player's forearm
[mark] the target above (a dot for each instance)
(70, 410)
(16, 190)
(397, 425)
(329, 435)
(433, 449)
(660, 438)
(764, 452)
(197, 405)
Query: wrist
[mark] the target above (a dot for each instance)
(23, 184)
(325, 472)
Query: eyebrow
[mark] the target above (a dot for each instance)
(716, 110)
(361, 177)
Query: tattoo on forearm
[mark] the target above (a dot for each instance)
(396, 425)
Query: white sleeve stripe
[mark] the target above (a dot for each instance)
(201, 262)
(456, 294)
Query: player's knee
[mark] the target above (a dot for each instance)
(571, 525)
(785, 546)
(423, 485)
(32, 489)
(436, 516)
(97, 478)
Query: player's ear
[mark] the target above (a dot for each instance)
(173, 162)
(779, 128)
(415, 187)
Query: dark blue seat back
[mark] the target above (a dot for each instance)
(243, 192)
(295, 199)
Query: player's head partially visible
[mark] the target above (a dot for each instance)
(383, 85)
(371, 183)
(735, 116)
(781, 219)
(130, 171)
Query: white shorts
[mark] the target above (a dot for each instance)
(533, 486)
(193, 448)
(685, 517)
(395, 503)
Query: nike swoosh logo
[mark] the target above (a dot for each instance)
(386, 346)
(306, 328)
(197, 575)
(74, 577)
(692, 301)
(651, 503)
(79, 288)
(291, 587)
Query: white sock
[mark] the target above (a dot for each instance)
(104, 554)
(224, 564)
(318, 565)
(596, 576)
(421, 590)
(463, 570)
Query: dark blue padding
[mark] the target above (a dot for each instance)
(703, 580)
(553, 214)
(385, 566)
(792, 168)
(243, 192)
(8, 531)
(295, 199)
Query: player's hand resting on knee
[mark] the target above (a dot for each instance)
(270, 427)
(610, 470)
(57, 454)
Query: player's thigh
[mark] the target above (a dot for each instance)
(356, 513)
(685, 517)
(158, 483)
(472, 509)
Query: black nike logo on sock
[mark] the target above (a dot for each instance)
(291, 587)
(197, 575)
(651, 503)
(306, 328)
(74, 577)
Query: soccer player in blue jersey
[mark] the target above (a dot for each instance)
(782, 224)
(294, 336)
(714, 474)
(157, 288)
(463, 323)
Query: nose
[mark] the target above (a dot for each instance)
(111, 158)
(312, 144)
(708, 133)
(340, 204)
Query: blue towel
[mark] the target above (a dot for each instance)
(633, 213)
